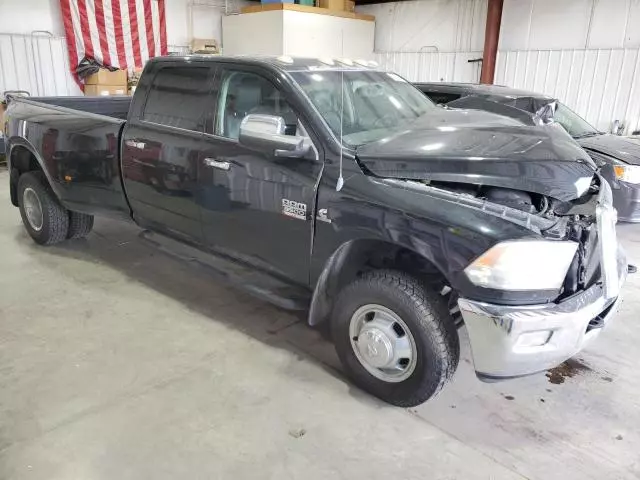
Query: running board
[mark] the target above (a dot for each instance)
(255, 282)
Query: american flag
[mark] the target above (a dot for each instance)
(117, 33)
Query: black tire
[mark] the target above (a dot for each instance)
(55, 219)
(423, 311)
(80, 224)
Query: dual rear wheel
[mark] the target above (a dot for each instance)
(44, 218)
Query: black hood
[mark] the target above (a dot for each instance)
(481, 148)
(624, 149)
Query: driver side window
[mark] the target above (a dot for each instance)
(243, 93)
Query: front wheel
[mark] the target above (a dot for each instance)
(42, 215)
(395, 338)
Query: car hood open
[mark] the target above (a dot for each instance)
(468, 146)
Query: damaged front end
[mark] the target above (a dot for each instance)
(515, 340)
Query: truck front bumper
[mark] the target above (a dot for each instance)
(511, 341)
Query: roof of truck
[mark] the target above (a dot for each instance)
(283, 62)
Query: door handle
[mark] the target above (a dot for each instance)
(213, 163)
(135, 143)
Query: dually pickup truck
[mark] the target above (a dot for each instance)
(336, 188)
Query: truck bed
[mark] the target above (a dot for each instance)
(116, 107)
(76, 141)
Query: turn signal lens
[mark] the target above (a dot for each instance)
(627, 173)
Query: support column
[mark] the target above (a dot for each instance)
(491, 37)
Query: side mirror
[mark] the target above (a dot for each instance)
(265, 133)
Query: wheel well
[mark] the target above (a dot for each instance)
(22, 161)
(355, 258)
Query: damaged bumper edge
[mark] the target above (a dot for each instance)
(512, 341)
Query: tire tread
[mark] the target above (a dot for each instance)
(435, 322)
(57, 219)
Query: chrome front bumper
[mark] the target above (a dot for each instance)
(510, 341)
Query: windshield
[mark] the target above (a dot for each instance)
(374, 102)
(572, 123)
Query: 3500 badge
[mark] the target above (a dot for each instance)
(294, 209)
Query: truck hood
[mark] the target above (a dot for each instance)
(481, 148)
(625, 149)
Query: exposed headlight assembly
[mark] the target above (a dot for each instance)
(523, 265)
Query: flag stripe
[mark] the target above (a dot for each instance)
(94, 33)
(163, 29)
(126, 33)
(84, 28)
(156, 27)
(109, 26)
(102, 32)
(116, 33)
(148, 21)
(135, 37)
(142, 31)
(71, 38)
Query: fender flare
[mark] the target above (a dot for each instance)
(343, 263)
(14, 142)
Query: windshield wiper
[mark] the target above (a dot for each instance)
(587, 134)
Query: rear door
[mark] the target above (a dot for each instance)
(256, 207)
(161, 148)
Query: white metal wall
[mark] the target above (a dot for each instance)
(432, 66)
(601, 85)
(37, 63)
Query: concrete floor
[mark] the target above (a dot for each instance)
(117, 361)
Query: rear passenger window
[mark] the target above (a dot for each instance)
(177, 97)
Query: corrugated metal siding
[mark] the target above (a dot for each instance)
(36, 63)
(432, 66)
(601, 85)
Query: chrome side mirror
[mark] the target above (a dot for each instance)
(266, 133)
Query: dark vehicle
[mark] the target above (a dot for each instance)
(620, 154)
(338, 189)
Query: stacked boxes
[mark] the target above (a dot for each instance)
(105, 82)
(341, 5)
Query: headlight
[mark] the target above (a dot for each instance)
(627, 173)
(523, 265)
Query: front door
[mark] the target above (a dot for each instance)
(256, 207)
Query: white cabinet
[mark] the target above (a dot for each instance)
(298, 31)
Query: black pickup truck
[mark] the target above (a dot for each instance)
(340, 189)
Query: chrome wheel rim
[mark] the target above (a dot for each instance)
(32, 208)
(383, 343)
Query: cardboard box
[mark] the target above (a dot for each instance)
(204, 45)
(350, 5)
(102, 90)
(332, 4)
(105, 77)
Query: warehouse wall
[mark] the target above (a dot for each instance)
(185, 18)
(39, 62)
(586, 52)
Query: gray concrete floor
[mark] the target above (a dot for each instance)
(117, 361)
